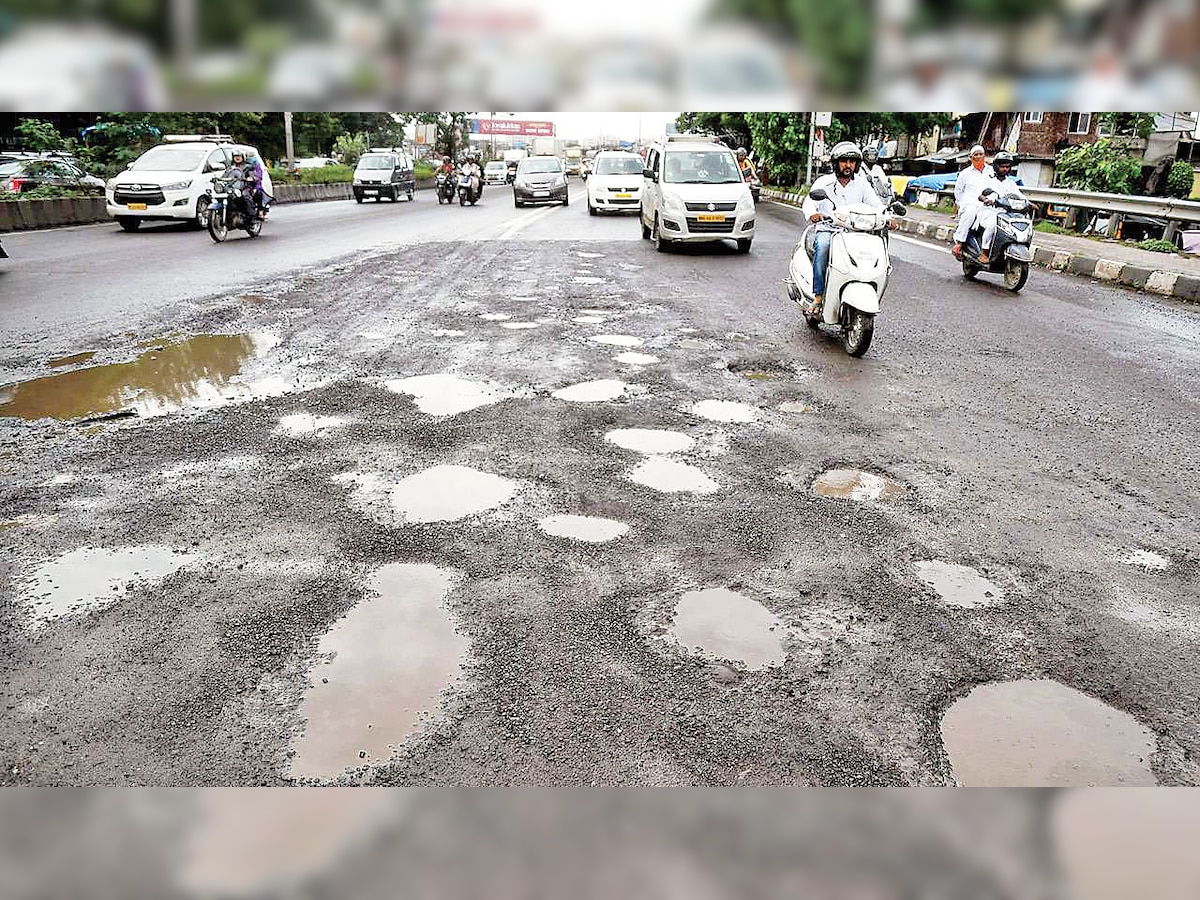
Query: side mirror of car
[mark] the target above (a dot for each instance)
(819, 194)
(650, 173)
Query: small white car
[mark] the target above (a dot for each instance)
(171, 182)
(615, 183)
(692, 190)
(495, 172)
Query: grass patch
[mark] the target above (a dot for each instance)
(1051, 228)
(1157, 245)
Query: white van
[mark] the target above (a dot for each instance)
(693, 190)
(172, 181)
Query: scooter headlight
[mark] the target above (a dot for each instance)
(1006, 227)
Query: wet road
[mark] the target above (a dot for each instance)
(584, 513)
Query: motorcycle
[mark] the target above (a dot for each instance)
(232, 207)
(445, 188)
(469, 189)
(1012, 247)
(858, 271)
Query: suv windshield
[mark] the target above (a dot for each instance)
(171, 159)
(539, 166)
(619, 165)
(375, 162)
(701, 167)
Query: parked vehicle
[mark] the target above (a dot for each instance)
(1012, 248)
(692, 190)
(470, 189)
(23, 175)
(232, 207)
(446, 186)
(540, 179)
(495, 172)
(383, 172)
(616, 182)
(859, 266)
(172, 181)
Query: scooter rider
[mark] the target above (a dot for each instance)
(971, 182)
(874, 173)
(845, 188)
(471, 167)
(1004, 186)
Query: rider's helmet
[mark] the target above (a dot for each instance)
(1002, 164)
(871, 155)
(846, 150)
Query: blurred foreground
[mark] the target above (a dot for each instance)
(614, 56)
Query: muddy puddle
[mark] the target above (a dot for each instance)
(204, 370)
(389, 659)
(76, 359)
(853, 484)
(672, 477)
(650, 440)
(590, 529)
(724, 411)
(617, 340)
(592, 391)
(1146, 559)
(449, 493)
(727, 625)
(796, 407)
(268, 841)
(589, 320)
(696, 344)
(88, 579)
(446, 395)
(635, 359)
(959, 586)
(307, 423)
(1034, 733)
(495, 317)
(759, 369)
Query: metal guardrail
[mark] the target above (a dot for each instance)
(1160, 207)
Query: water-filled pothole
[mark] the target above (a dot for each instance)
(635, 359)
(90, 578)
(761, 369)
(587, 279)
(389, 659)
(445, 395)
(495, 317)
(198, 371)
(727, 625)
(588, 320)
(650, 440)
(448, 493)
(1147, 559)
(75, 359)
(617, 340)
(1039, 733)
(724, 411)
(959, 586)
(853, 484)
(671, 477)
(592, 391)
(795, 407)
(591, 529)
(307, 423)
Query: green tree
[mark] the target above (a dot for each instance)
(780, 142)
(350, 147)
(1101, 166)
(38, 135)
(1180, 179)
(730, 127)
(1128, 124)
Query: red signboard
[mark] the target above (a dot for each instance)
(512, 126)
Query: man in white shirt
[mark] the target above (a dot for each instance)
(1004, 185)
(844, 188)
(971, 182)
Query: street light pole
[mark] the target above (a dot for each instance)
(287, 137)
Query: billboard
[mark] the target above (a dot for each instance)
(512, 126)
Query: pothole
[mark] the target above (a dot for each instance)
(959, 586)
(670, 477)
(200, 371)
(592, 391)
(1146, 559)
(724, 624)
(520, 326)
(495, 317)
(695, 344)
(447, 332)
(449, 493)
(854, 484)
(587, 279)
(635, 359)
(724, 411)
(387, 662)
(650, 440)
(90, 578)
(1039, 733)
(590, 529)
(761, 369)
(75, 359)
(307, 423)
(795, 407)
(589, 320)
(445, 395)
(617, 340)
(584, 254)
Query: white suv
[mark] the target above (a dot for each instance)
(692, 190)
(172, 181)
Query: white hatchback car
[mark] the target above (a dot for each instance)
(615, 182)
(170, 182)
(693, 191)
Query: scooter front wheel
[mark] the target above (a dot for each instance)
(856, 338)
(1015, 275)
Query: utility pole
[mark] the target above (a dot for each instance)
(812, 133)
(287, 137)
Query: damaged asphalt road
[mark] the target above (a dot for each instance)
(1039, 451)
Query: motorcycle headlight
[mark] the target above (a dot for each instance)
(177, 186)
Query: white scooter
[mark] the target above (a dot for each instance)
(858, 272)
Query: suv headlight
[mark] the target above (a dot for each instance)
(178, 185)
(746, 203)
(674, 203)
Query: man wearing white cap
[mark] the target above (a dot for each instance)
(970, 184)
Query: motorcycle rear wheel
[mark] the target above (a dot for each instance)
(970, 270)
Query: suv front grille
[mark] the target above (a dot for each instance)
(695, 226)
(715, 207)
(150, 196)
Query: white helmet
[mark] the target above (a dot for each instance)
(845, 150)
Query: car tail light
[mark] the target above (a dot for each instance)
(14, 184)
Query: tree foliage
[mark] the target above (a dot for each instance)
(1180, 180)
(780, 142)
(1101, 166)
(1128, 124)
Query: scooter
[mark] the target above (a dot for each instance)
(470, 188)
(858, 272)
(445, 188)
(1012, 248)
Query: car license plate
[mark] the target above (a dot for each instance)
(370, 190)
(623, 196)
(708, 218)
(136, 205)
(541, 193)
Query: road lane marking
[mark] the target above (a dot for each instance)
(512, 226)
(908, 240)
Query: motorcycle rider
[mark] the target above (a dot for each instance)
(844, 187)
(251, 175)
(1003, 185)
(264, 191)
(749, 173)
(971, 182)
(874, 173)
(472, 168)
